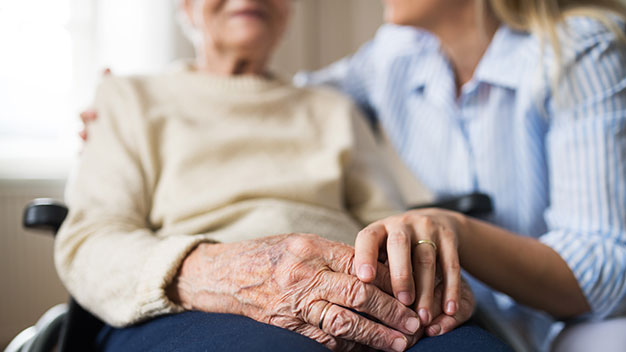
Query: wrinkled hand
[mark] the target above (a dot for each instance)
(415, 244)
(289, 281)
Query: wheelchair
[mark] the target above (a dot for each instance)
(69, 327)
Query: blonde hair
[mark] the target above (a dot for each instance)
(542, 17)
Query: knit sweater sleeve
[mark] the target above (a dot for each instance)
(106, 254)
(371, 191)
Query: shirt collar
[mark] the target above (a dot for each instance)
(503, 64)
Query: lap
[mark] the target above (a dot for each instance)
(196, 331)
(466, 338)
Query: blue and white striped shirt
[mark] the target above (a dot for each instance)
(554, 164)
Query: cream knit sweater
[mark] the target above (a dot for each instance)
(182, 158)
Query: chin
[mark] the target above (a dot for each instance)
(252, 43)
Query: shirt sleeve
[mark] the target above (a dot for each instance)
(362, 74)
(350, 76)
(106, 254)
(586, 148)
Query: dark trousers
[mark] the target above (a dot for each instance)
(196, 331)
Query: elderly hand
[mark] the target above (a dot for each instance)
(303, 283)
(444, 323)
(415, 244)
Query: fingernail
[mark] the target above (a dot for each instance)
(424, 316)
(405, 298)
(366, 272)
(412, 324)
(451, 308)
(398, 345)
(434, 330)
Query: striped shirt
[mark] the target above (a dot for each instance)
(553, 164)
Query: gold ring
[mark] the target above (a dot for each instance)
(323, 315)
(427, 242)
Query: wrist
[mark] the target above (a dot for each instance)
(463, 230)
(181, 288)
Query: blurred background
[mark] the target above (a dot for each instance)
(52, 54)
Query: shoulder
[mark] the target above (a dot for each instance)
(329, 106)
(582, 31)
(579, 37)
(586, 81)
(323, 98)
(589, 38)
(115, 87)
(137, 92)
(590, 61)
(394, 43)
(391, 44)
(124, 100)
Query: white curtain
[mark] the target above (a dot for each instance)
(52, 56)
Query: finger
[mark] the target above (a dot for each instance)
(348, 291)
(449, 259)
(444, 323)
(88, 116)
(84, 116)
(383, 279)
(400, 266)
(344, 324)
(340, 259)
(330, 342)
(441, 325)
(424, 268)
(415, 337)
(366, 252)
(312, 332)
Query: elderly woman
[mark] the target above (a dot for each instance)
(199, 190)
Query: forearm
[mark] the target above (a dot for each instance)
(217, 277)
(116, 272)
(522, 267)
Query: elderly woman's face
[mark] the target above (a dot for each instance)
(247, 24)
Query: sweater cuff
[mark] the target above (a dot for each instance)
(160, 269)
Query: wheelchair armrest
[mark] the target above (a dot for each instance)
(44, 214)
(475, 204)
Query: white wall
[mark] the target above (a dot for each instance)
(323, 31)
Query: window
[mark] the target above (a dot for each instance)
(36, 75)
(51, 56)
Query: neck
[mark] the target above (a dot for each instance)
(465, 39)
(230, 63)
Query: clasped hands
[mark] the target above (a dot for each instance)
(383, 294)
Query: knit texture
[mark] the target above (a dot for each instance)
(182, 158)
